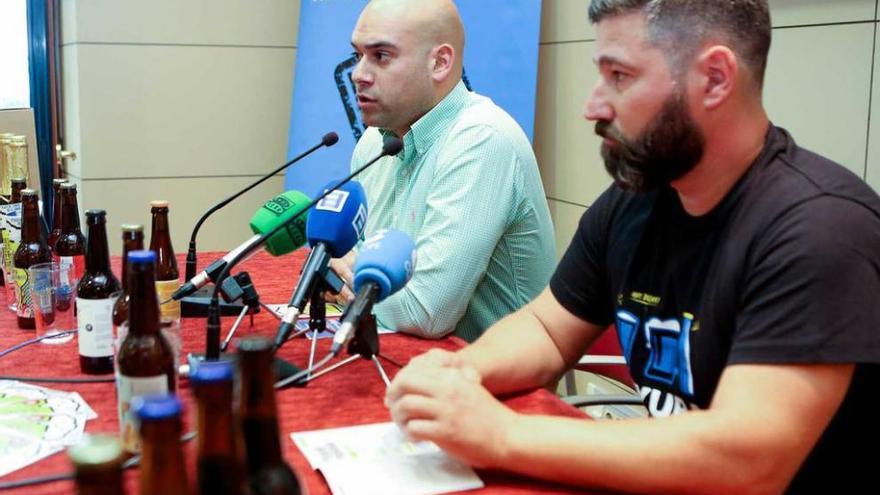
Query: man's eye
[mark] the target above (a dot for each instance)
(356, 55)
(618, 77)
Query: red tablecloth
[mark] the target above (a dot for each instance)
(351, 395)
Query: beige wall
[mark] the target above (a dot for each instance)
(190, 100)
(818, 86)
(184, 101)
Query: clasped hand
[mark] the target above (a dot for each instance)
(438, 398)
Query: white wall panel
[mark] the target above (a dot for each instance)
(799, 12)
(128, 201)
(565, 144)
(213, 22)
(817, 87)
(159, 111)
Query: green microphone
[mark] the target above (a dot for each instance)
(273, 213)
(277, 211)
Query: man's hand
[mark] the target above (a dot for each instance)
(344, 268)
(438, 398)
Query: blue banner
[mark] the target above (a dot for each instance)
(500, 61)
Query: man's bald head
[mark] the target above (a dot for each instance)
(410, 58)
(430, 23)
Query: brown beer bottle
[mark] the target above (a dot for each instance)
(97, 463)
(94, 300)
(166, 264)
(145, 360)
(132, 240)
(267, 472)
(70, 247)
(219, 466)
(162, 468)
(58, 201)
(11, 239)
(31, 251)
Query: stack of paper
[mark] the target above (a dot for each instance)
(377, 458)
(36, 422)
(333, 314)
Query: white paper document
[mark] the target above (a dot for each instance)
(333, 314)
(36, 422)
(378, 459)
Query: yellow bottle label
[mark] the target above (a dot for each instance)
(170, 311)
(23, 294)
(127, 388)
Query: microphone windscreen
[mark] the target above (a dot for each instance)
(391, 145)
(338, 220)
(279, 210)
(329, 139)
(388, 259)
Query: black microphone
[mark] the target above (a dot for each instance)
(328, 140)
(390, 147)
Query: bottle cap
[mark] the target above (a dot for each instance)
(159, 203)
(141, 257)
(209, 372)
(156, 407)
(28, 192)
(132, 227)
(68, 185)
(96, 212)
(95, 449)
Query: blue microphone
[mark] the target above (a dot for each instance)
(333, 228)
(384, 265)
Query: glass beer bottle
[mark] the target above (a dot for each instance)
(167, 274)
(70, 246)
(11, 239)
(94, 300)
(132, 240)
(97, 463)
(145, 360)
(162, 469)
(267, 472)
(219, 467)
(57, 202)
(31, 251)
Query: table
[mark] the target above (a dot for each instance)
(351, 395)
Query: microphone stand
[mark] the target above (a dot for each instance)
(196, 304)
(212, 336)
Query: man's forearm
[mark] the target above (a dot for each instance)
(683, 454)
(514, 354)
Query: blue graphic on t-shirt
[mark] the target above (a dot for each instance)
(668, 347)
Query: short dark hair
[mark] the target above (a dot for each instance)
(679, 27)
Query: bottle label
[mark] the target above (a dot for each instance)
(94, 322)
(127, 388)
(25, 308)
(72, 268)
(170, 311)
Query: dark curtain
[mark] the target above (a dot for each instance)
(41, 96)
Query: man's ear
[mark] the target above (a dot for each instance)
(717, 68)
(443, 60)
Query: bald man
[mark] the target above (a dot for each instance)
(466, 186)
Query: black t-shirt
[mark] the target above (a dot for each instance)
(786, 269)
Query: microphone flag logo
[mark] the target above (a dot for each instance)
(335, 201)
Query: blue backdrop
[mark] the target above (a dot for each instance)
(500, 61)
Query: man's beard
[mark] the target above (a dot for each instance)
(670, 147)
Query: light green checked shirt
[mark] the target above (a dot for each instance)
(466, 188)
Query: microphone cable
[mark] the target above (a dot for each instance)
(304, 373)
(47, 379)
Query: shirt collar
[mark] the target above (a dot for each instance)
(430, 126)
